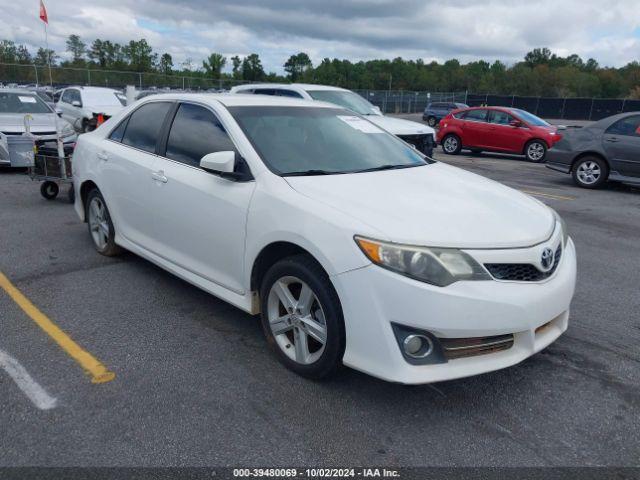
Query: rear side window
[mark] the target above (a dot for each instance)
(629, 126)
(289, 93)
(118, 132)
(476, 115)
(195, 132)
(265, 91)
(143, 129)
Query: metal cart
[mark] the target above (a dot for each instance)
(53, 171)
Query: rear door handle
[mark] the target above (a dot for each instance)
(103, 156)
(159, 176)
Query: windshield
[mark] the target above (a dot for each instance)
(346, 99)
(102, 98)
(22, 103)
(320, 141)
(530, 118)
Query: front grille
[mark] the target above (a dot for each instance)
(423, 142)
(522, 272)
(470, 347)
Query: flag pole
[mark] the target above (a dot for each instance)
(46, 46)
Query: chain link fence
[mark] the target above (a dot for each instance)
(389, 101)
(398, 101)
(20, 74)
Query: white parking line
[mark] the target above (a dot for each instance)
(38, 396)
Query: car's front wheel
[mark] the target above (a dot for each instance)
(451, 144)
(535, 151)
(590, 172)
(100, 224)
(302, 317)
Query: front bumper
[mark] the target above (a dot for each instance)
(559, 160)
(424, 143)
(373, 298)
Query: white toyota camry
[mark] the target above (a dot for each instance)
(353, 247)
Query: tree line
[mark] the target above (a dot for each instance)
(540, 73)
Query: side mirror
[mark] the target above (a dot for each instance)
(516, 123)
(223, 164)
(377, 110)
(59, 112)
(76, 103)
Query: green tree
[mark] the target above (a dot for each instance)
(236, 63)
(166, 64)
(297, 65)
(214, 64)
(538, 56)
(44, 56)
(77, 48)
(252, 69)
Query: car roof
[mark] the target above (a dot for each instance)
(92, 89)
(239, 100)
(18, 90)
(294, 86)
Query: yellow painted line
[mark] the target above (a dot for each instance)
(98, 372)
(548, 195)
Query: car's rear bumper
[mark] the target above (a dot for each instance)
(373, 299)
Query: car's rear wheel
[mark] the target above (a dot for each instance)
(302, 317)
(432, 121)
(590, 172)
(451, 144)
(100, 224)
(535, 151)
(49, 190)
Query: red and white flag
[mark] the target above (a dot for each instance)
(43, 13)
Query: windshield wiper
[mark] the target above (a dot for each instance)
(308, 173)
(383, 167)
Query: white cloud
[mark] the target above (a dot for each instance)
(354, 29)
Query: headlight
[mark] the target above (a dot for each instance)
(563, 226)
(437, 266)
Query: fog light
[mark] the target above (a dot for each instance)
(417, 346)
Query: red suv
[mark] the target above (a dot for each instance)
(497, 129)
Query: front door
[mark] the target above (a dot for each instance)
(503, 136)
(200, 217)
(621, 142)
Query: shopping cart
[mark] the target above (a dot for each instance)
(53, 171)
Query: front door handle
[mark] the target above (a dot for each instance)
(612, 140)
(103, 156)
(159, 176)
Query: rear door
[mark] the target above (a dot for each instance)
(200, 217)
(504, 137)
(621, 142)
(475, 129)
(127, 169)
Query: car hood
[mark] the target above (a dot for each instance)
(398, 126)
(40, 122)
(434, 205)
(109, 110)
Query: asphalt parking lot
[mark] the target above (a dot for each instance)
(195, 385)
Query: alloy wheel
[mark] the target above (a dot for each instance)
(589, 172)
(297, 320)
(535, 151)
(450, 144)
(98, 223)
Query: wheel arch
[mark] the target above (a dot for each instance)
(535, 139)
(589, 153)
(85, 188)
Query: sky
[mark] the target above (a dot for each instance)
(354, 29)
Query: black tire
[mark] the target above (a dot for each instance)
(535, 151)
(49, 190)
(310, 272)
(451, 144)
(580, 171)
(110, 249)
(432, 121)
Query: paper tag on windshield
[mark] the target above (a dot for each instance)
(360, 124)
(27, 99)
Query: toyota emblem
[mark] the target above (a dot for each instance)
(546, 260)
